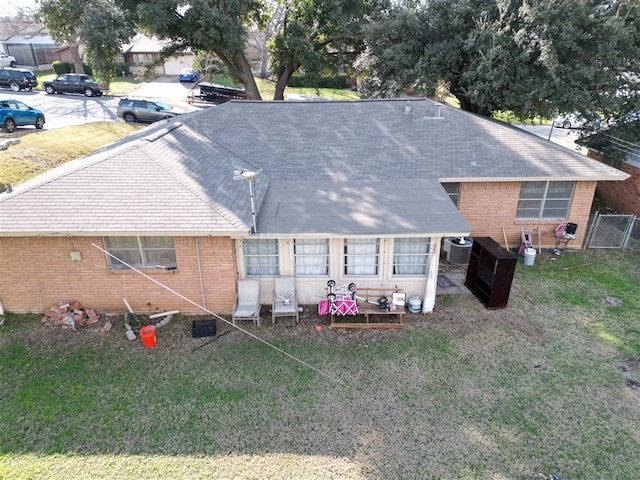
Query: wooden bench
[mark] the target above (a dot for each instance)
(393, 318)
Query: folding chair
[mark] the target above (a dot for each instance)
(285, 299)
(526, 241)
(247, 305)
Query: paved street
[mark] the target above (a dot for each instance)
(561, 136)
(66, 110)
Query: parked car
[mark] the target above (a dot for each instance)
(188, 75)
(575, 120)
(17, 114)
(17, 79)
(135, 109)
(74, 83)
(626, 118)
(7, 60)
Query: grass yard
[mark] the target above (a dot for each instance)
(549, 384)
(42, 150)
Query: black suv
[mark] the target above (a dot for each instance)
(17, 79)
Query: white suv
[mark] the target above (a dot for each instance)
(7, 60)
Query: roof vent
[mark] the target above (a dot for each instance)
(407, 108)
(437, 116)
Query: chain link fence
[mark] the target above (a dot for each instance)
(613, 231)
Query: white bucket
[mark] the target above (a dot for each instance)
(529, 256)
(415, 304)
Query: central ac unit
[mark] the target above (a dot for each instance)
(458, 250)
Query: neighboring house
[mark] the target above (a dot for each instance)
(624, 196)
(360, 191)
(29, 43)
(142, 51)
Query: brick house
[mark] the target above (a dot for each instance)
(360, 192)
(142, 51)
(624, 196)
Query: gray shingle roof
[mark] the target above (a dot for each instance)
(366, 207)
(375, 139)
(176, 176)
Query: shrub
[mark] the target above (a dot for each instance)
(122, 69)
(335, 81)
(62, 67)
(87, 69)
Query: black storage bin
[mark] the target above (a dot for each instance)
(203, 328)
(571, 228)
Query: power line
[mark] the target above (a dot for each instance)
(279, 350)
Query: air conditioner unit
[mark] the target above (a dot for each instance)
(458, 250)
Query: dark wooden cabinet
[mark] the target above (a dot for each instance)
(490, 272)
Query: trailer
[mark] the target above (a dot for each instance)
(214, 93)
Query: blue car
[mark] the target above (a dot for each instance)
(188, 75)
(17, 114)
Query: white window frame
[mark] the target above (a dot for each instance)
(261, 257)
(140, 252)
(361, 257)
(311, 257)
(411, 256)
(540, 200)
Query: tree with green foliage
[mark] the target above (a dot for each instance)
(103, 30)
(208, 26)
(527, 56)
(63, 19)
(318, 36)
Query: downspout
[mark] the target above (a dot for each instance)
(432, 277)
(204, 300)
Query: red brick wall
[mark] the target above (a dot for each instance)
(37, 272)
(623, 197)
(489, 207)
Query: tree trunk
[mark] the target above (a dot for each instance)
(264, 54)
(284, 74)
(239, 67)
(77, 58)
(246, 76)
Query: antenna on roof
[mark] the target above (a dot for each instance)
(249, 176)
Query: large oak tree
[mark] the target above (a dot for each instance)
(527, 56)
(216, 27)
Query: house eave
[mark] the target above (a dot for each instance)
(596, 178)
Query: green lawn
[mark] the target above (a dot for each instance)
(42, 150)
(549, 384)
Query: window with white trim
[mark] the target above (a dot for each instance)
(411, 256)
(541, 200)
(311, 256)
(143, 252)
(261, 257)
(361, 256)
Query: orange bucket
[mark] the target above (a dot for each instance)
(148, 336)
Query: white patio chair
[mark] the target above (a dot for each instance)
(285, 299)
(247, 305)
